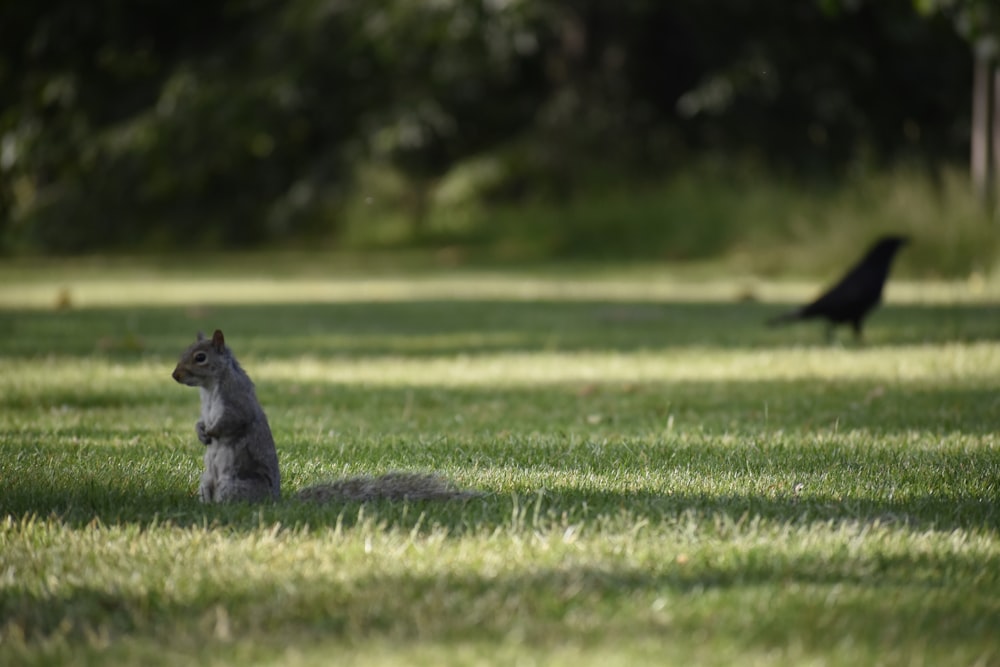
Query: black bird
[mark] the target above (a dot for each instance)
(857, 293)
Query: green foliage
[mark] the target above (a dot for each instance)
(742, 216)
(666, 480)
(978, 21)
(150, 125)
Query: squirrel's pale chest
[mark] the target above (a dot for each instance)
(211, 406)
(219, 461)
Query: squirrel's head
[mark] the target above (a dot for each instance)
(201, 364)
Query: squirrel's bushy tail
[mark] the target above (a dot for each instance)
(390, 486)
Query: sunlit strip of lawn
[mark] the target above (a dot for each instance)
(945, 363)
(170, 290)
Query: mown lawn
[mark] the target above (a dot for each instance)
(664, 480)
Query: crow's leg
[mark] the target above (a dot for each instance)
(858, 334)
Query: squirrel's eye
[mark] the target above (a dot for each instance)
(200, 358)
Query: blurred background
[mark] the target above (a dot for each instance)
(503, 130)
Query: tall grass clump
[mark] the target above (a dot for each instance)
(742, 214)
(815, 230)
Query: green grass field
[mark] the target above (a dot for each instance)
(665, 481)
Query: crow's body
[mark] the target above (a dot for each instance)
(858, 292)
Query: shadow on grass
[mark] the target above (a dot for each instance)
(492, 511)
(452, 327)
(883, 605)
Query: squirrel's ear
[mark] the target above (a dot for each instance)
(199, 336)
(218, 342)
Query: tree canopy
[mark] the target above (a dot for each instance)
(130, 124)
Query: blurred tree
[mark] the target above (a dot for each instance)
(820, 89)
(461, 77)
(217, 125)
(978, 21)
(69, 73)
(148, 123)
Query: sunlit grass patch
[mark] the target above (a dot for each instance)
(332, 279)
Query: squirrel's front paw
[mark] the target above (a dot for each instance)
(202, 434)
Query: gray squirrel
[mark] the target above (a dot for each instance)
(241, 461)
